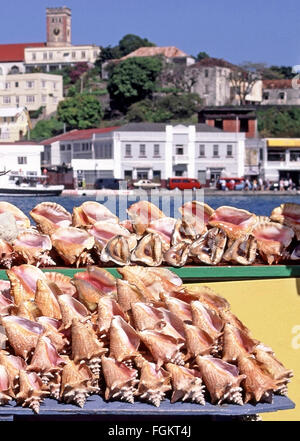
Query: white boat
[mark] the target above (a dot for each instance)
(14, 184)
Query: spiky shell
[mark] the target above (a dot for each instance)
(7, 254)
(70, 309)
(163, 348)
(153, 383)
(149, 250)
(33, 247)
(46, 299)
(32, 391)
(210, 247)
(235, 222)
(123, 340)
(116, 250)
(50, 216)
(186, 384)
(91, 212)
(120, 380)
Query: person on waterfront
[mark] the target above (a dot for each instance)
(260, 184)
(254, 185)
(281, 185)
(267, 184)
(223, 184)
(291, 184)
(247, 185)
(286, 184)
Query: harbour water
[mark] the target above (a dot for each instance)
(261, 205)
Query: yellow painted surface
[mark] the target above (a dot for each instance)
(283, 142)
(271, 309)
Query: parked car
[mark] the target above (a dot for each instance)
(146, 183)
(183, 183)
(110, 183)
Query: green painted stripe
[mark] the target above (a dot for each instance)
(208, 272)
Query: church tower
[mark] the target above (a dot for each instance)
(58, 26)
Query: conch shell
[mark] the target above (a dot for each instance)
(142, 213)
(21, 219)
(163, 348)
(104, 231)
(288, 214)
(186, 384)
(198, 342)
(236, 343)
(73, 245)
(149, 250)
(117, 251)
(210, 247)
(62, 282)
(91, 212)
(71, 308)
(52, 329)
(123, 340)
(33, 247)
(180, 308)
(221, 379)
(178, 254)
(128, 294)
(107, 309)
(206, 319)
(235, 222)
(164, 228)
(50, 216)
(272, 241)
(32, 391)
(242, 251)
(46, 299)
(153, 383)
(196, 214)
(23, 281)
(7, 254)
(120, 380)
(13, 365)
(4, 386)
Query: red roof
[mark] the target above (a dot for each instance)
(75, 135)
(213, 62)
(278, 84)
(15, 52)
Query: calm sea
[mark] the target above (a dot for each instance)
(261, 205)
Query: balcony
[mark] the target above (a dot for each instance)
(180, 159)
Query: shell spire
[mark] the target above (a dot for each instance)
(32, 391)
(123, 340)
(163, 348)
(186, 384)
(153, 383)
(4, 386)
(120, 380)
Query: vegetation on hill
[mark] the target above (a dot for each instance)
(46, 129)
(278, 121)
(83, 111)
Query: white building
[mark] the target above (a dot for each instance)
(14, 123)
(21, 157)
(148, 151)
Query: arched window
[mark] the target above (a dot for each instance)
(15, 70)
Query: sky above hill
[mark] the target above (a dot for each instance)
(236, 30)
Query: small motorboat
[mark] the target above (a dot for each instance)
(15, 184)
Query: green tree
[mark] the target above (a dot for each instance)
(277, 121)
(46, 129)
(202, 55)
(132, 42)
(132, 80)
(83, 111)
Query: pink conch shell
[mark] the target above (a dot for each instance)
(107, 309)
(196, 214)
(22, 221)
(148, 282)
(104, 231)
(185, 232)
(210, 247)
(33, 247)
(198, 342)
(221, 379)
(128, 294)
(186, 384)
(91, 212)
(208, 296)
(46, 299)
(120, 380)
(288, 214)
(73, 245)
(206, 319)
(7, 255)
(149, 250)
(258, 385)
(12, 365)
(22, 334)
(173, 325)
(31, 391)
(123, 340)
(242, 251)
(272, 241)
(236, 343)
(86, 347)
(128, 224)
(235, 222)
(47, 364)
(62, 281)
(23, 281)
(51, 327)
(28, 310)
(71, 308)
(147, 317)
(6, 304)
(142, 213)
(116, 251)
(229, 317)
(180, 308)
(50, 216)
(163, 348)
(164, 227)
(93, 284)
(274, 368)
(178, 254)
(77, 383)
(153, 383)
(4, 386)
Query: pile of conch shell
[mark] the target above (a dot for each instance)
(92, 234)
(144, 337)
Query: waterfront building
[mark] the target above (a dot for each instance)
(14, 123)
(33, 91)
(148, 151)
(22, 157)
(280, 92)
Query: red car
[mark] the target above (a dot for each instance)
(183, 183)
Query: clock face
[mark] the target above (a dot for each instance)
(56, 31)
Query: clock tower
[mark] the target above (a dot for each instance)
(58, 26)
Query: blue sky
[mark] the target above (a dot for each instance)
(237, 30)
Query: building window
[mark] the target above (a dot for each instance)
(22, 160)
(6, 100)
(44, 98)
(50, 55)
(12, 119)
(7, 85)
(179, 150)
(202, 150)
(54, 85)
(43, 84)
(156, 151)
(142, 150)
(295, 155)
(83, 54)
(17, 100)
(30, 99)
(33, 56)
(69, 147)
(281, 95)
(62, 148)
(127, 174)
(156, 175)
(29, 84)
(103, 151)
(16, 84)
(206, 73)
(45, 56)
(206, 89)
(277, 155)
(244, 125)
(266, 95)
(229, 150)
(215, 150)
(73, 54)
(128, 150)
